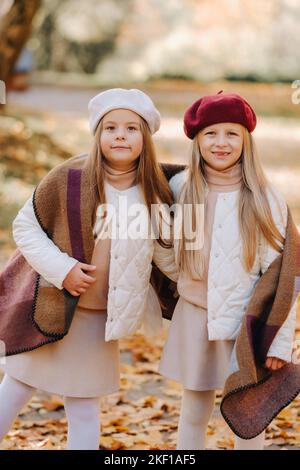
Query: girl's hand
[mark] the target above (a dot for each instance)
(76, 282)
(274, 363)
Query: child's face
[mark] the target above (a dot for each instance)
(121, 138)
(221, 144)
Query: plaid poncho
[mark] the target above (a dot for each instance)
(253, 395)
(32, 311)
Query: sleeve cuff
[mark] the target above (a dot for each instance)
(66, 267)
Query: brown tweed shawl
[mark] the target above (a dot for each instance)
(253, 396)
(32, 311)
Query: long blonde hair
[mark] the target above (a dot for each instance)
(150, 176)
(254, 213)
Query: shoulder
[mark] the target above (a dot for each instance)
(76, 162)
(177, 182)
(60, 171)
(277, 204)
(54, 184)
(275, 196)
(171, 169)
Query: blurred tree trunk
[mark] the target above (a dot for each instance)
(15, 28)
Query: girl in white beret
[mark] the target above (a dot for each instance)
(79, 279)
(241, 231)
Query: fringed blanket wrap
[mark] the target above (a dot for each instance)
(253, 395)
(33, 312)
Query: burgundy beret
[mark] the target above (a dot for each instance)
(213, 109)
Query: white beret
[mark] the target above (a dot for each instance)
(120, 98)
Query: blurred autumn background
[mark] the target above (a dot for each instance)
(54, 56)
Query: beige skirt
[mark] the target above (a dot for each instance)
(82, 364)
(188, 356)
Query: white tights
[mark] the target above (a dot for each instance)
(83, 414)
(196, 410)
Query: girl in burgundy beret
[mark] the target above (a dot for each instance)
(243, 231)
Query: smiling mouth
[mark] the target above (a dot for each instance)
(119, 147)
(221, 154)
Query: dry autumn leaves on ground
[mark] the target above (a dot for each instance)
(143, 415)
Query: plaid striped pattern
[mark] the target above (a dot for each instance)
(252, 395)
(32, 312)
